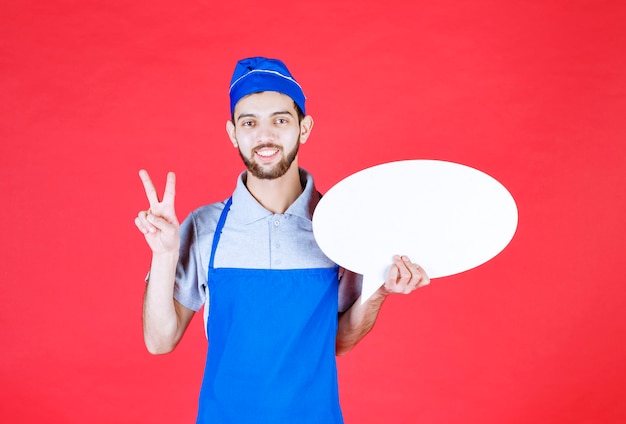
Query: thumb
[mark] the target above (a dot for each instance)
(392, 277)
(160, 223)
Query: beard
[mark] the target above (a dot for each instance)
(275, 171)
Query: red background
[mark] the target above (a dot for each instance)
(531, 92)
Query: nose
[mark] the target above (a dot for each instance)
(266, 133)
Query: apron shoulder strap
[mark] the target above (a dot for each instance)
(218, 230)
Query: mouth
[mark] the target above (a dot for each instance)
(267, 153)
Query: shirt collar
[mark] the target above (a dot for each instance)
(247, 209)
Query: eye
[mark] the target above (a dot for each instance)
(247, 123)
(281, 120)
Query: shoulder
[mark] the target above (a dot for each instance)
(203, 219)
(210, 212)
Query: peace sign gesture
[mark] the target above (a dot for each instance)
(159, 223)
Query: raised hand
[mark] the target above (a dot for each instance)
(159, 223)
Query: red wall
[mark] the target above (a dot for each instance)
(533, 93)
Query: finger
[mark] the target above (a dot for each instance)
(141, 221)
(139, 226)
(414, 270)
(159, 223)
(170, 188)
(418, 276)
(147, 219)
(148, 186)
(392, 278)
(404, 268)
(425, 280)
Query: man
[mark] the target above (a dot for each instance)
(277, 310)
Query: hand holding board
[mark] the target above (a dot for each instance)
(447, 217)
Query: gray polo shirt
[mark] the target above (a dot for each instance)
(255, 238)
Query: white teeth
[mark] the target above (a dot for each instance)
(267, 153)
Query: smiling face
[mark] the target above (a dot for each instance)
(268, 134)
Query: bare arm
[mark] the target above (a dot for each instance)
(164, 319)
(404, 277)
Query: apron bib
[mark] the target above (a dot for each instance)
(271, 353)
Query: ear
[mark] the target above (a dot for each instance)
(305, 128)
(230, 130)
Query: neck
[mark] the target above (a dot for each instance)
(278, 194)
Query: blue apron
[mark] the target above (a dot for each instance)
(271, 354)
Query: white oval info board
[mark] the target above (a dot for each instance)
(445, 216)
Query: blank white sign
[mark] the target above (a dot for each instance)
(445, 216)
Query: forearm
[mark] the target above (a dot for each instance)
(404, 277)
(161, 323)
(357, 321)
